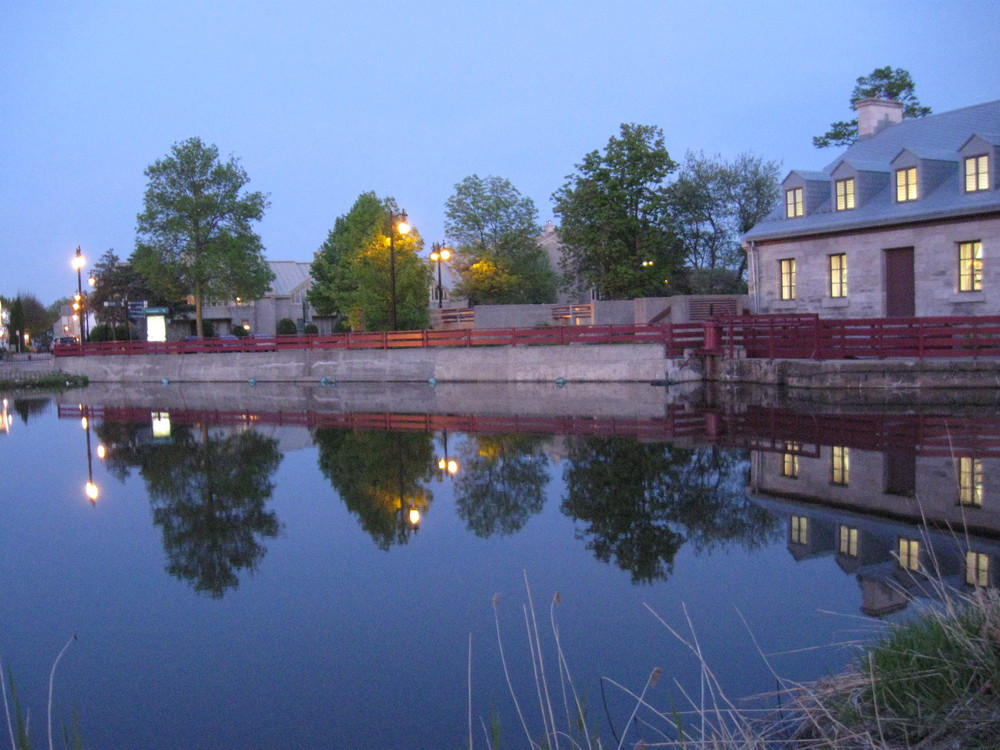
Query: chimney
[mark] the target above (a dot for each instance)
(875, 114)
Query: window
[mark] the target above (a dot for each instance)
(909, 553)
(793, 203)
(800, 530)
(845, 194)
(906, 184)
(790, 461)
(838, 275)
(977, 173)
(840, 464)
(970, 266)
(977, 568)
(848, 541)
(787, 290)
(970, 481)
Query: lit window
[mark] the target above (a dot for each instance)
(909, 553)
(840, 464)
(849, 541)
(793, 203)
(906, 184)
(838, 275)
(845, 194)
(970, 481)
(977, 173)
(790, 460)
(970, 266)
(787, 278)
(800, 530)
(977, 568)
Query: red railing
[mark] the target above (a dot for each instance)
(812, 337)
(674, 338)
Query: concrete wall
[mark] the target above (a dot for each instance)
(584, 363)
(935, 259)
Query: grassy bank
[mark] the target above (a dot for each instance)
(49, 381)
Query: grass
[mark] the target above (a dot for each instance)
(51, 381)
(932, 683)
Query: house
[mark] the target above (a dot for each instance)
(905, 222)
(285, 299)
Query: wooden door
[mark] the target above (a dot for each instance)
(900, 288)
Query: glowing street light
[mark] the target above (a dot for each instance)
(440, 254)
(397, 223)
(78, 263)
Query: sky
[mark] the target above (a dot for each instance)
(322, 101)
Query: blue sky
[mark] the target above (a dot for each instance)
(322, 101)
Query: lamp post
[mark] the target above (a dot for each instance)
(78, 263)
(90, 488)
(440, 254)
(397, 223)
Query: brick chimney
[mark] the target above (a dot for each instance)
(875, 114)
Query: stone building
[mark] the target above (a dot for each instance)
(905, 222)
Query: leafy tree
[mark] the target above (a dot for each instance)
(28, 315)
(890, 83)
(713, 203)
(494, 230)
(195, 233)
(117, 284)
(615, 216)
(351, 270)
(502, 483)
(377, 475)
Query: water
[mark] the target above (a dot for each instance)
(253, 578)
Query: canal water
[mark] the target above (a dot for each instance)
(239, 577)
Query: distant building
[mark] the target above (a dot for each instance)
(905, 222)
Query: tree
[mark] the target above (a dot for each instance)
(615, 217)
(351, 270)
(195, 235)
(494, 229)
(28, 316)
(116, 284)
(882, 83)
(713, 203)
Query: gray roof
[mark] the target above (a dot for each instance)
(936, 137)
(289, 275)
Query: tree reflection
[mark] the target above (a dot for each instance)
(641, 502)
(30, 407)
(208, 494)
(502, 482)
(378, 475)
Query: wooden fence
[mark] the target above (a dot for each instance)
(760, 336)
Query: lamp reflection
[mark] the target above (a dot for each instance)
(5, 421)
(446, 465)
(90, 488)
(160, 421)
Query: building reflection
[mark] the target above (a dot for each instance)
(898, 520)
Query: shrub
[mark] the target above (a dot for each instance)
(286, 327)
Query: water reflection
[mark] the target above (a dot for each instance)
(640, 502)
(378, 475)
(208, 489)
(502, 483)
(884, 495)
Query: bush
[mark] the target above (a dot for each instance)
(311, 328)
(286, 327)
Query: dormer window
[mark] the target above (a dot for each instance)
(845, 194)
(793, 203)
(906, 184)
(977, 173)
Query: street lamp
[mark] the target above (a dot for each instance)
(397, 223)
(440, 254)
(78, 263)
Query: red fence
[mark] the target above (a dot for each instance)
(812, 337)
(674, 338)
(761, 336)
